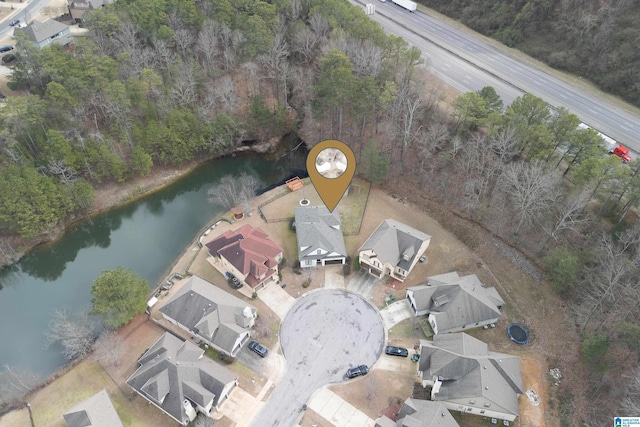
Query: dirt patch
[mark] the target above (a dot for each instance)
(312, 419)
(377, 391)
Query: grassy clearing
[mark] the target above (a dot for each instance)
(407, 329)
(82, 382)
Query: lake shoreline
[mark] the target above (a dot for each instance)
(113, 195)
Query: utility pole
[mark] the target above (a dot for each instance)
(30, 415)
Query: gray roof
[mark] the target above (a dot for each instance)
(212, 313)
(395, 243)
(317, 228)
(79, 7)
(420, 413)
(38, 31)
(457, 301)
(96, 411)
(173, 370)
(468, 370)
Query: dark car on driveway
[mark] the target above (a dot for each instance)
(14, 22)
(234, 282)
(258, 348)
(357, 371)
(396, 351)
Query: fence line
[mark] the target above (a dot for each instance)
(364, 209)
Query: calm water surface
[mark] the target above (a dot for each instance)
(146, 236)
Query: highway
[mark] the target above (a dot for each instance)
(467, 63)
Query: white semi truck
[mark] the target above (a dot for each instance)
(407, 4)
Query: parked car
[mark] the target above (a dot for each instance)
(14, 22)
(357, 371)
(234, 282)
(178, 276)
(258, 348)
(423, 258)
(396, 351)
(4, 49)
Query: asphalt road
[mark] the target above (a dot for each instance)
(325, 333)
(467, 63)
(26, 14)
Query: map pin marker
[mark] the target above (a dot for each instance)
(331, 165)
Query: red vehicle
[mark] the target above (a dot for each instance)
(622, 152)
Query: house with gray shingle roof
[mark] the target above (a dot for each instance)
(455, 303)
(394, 249)
(77, 9)
(44, 33)
(218, 318)
(96, 411)
(319, 235)
(420, 413)
(174, 376)
(466, 377)
(249, 254)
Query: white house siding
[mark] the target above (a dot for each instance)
(434, 323)
(306, 263)
(224, 394)
(413, 304)
(488, 412)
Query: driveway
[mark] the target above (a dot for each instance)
(396, 313)
(363, 283)
(326, 332)
(338, 412)
(271, 366)
(277, 299)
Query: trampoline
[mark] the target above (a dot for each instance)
(518, 333)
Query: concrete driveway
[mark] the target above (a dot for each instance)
(241, 407)
(326, 332)
(277, 299)
(396, 313)
(362, 283)
(334, 409)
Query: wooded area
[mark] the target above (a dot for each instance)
(161, 82)
(595, 39)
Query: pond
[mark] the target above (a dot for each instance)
(146, 236)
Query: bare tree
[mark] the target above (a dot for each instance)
(610, 285)
(201, 420)
(234, 191)
(571, 214)
(277, 64)
(631, 402)
(504, 142)
(60, 168)
(531, 190)
(74, 333)
(207, 45)
(262, 328)
(184, 87)
(15, 383)
(108, 348)
(225, 92)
